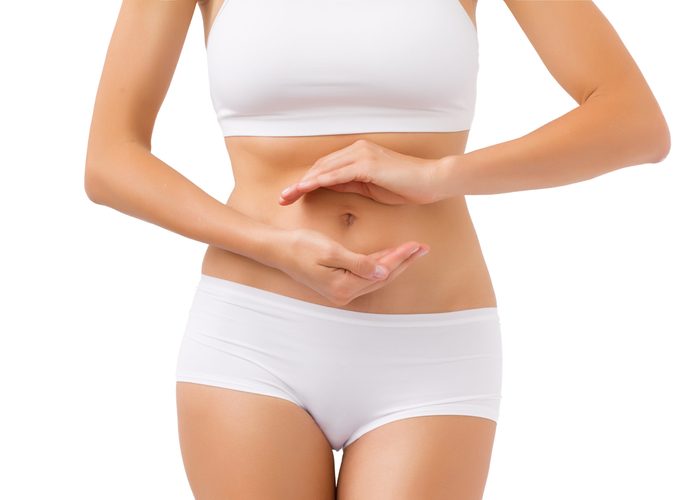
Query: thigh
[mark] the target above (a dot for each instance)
(435, 456)
(238, 444)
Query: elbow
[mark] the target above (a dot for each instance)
(92, 182)
(98, 178)
(647, 133)
(657, 137)
(89, 184)
(92, 174)
(648, 139)
(96, 181)
(101, 160)
(661, 141)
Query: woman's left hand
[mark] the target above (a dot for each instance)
(373, 171)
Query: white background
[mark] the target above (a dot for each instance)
(597, 282)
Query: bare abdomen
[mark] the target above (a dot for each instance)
(452, 276)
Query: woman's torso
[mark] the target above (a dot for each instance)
(452, 276)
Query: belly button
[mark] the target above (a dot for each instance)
(348, 218)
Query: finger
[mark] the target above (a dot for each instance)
(381, 253)
(351, 187)
(423, 250)
(394, 259)
(291, 193)
(396, 272)
(328, 163)
(351, 173)
(334, 155)
(339, 158)
(361, 188)
(324, 164)
(368, 267)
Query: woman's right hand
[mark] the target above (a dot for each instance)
(337, 273)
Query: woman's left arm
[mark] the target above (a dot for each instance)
(618, 122)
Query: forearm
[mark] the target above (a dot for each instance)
(137, 183)
(605, 133)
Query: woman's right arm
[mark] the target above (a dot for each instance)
(121, 172)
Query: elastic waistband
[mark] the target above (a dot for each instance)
(261, 299)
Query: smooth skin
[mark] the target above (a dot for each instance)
(237, 444)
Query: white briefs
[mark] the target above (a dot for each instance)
(351, 371)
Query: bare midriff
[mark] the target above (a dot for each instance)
(452, 276)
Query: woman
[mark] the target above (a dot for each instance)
(354, 311)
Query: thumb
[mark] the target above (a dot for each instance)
(365, 266)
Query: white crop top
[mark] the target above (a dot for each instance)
(317, 67)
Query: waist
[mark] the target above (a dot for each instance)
(263, 166)
(452, 276)
(357, 222)
(290, 310)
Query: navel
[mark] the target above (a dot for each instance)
(348, 218)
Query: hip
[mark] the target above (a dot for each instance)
(352, 371)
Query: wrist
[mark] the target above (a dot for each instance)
(275, 247)
(445, 182)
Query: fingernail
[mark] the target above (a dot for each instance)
(423, 252)
(286, 191)
(379, 272)
(413, 250)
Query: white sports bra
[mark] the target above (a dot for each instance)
(317, 67)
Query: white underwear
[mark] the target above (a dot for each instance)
(351, 371)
